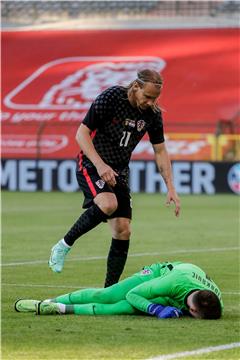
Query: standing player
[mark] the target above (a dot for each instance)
(113, 126)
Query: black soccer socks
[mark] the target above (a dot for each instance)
(116, 261)
(87, 221)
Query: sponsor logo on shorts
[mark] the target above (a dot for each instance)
(100, 184)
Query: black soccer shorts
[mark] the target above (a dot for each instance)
(91, 184)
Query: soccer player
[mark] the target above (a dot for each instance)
(113, 126)
(164, 290)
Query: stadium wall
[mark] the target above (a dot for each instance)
(52, 76)
(189, 177)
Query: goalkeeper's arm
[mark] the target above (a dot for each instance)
(140, 298)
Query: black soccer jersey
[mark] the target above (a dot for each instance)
(117, 127)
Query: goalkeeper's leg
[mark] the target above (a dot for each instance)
(120, 308)
(109, 295)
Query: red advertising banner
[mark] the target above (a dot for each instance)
(50, 78)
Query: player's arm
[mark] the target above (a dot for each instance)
(165, 169)
(140, 297)
(84, 140)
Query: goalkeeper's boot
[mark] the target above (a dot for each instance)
(26, 305)
(47, 308)
(57, 257)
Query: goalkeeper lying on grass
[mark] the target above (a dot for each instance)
(164, 290)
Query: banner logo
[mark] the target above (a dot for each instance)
(30, 144)
(73, 83)
(233, 178)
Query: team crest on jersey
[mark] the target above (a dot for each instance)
(129, 122)
(140, 125)
(100, 184)
(146, 272)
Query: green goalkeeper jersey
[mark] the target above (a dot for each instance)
(169, 285)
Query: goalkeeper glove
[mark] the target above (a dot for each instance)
(164, 312)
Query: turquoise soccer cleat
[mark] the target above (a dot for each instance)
(57, 257)
(26, 305)
(47, 308)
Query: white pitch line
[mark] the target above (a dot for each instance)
(50, 286)
(90, 258)
(84, 287)
(196, 352)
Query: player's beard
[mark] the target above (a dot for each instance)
(142, 106)
(139, 105)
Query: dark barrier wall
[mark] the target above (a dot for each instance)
(189, 177)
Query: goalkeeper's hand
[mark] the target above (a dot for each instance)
(164, 312)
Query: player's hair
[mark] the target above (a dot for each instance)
(148, 75)
(208, 304)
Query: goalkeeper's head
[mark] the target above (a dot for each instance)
(204, 304)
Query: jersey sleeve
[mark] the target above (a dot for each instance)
(99, 111)
(156, 132)
(140, 297)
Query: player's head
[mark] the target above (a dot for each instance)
(146, 89)
(204, 304)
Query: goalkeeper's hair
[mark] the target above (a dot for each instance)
(208, 304)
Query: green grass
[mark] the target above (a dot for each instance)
(206, 234)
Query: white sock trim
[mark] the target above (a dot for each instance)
(62, 308)
(64, 243)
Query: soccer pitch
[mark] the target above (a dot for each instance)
(206, 234)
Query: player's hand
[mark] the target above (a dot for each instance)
(172, 197)
(107, 174)
(170, 312)
(164, 312)
(155, 309)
